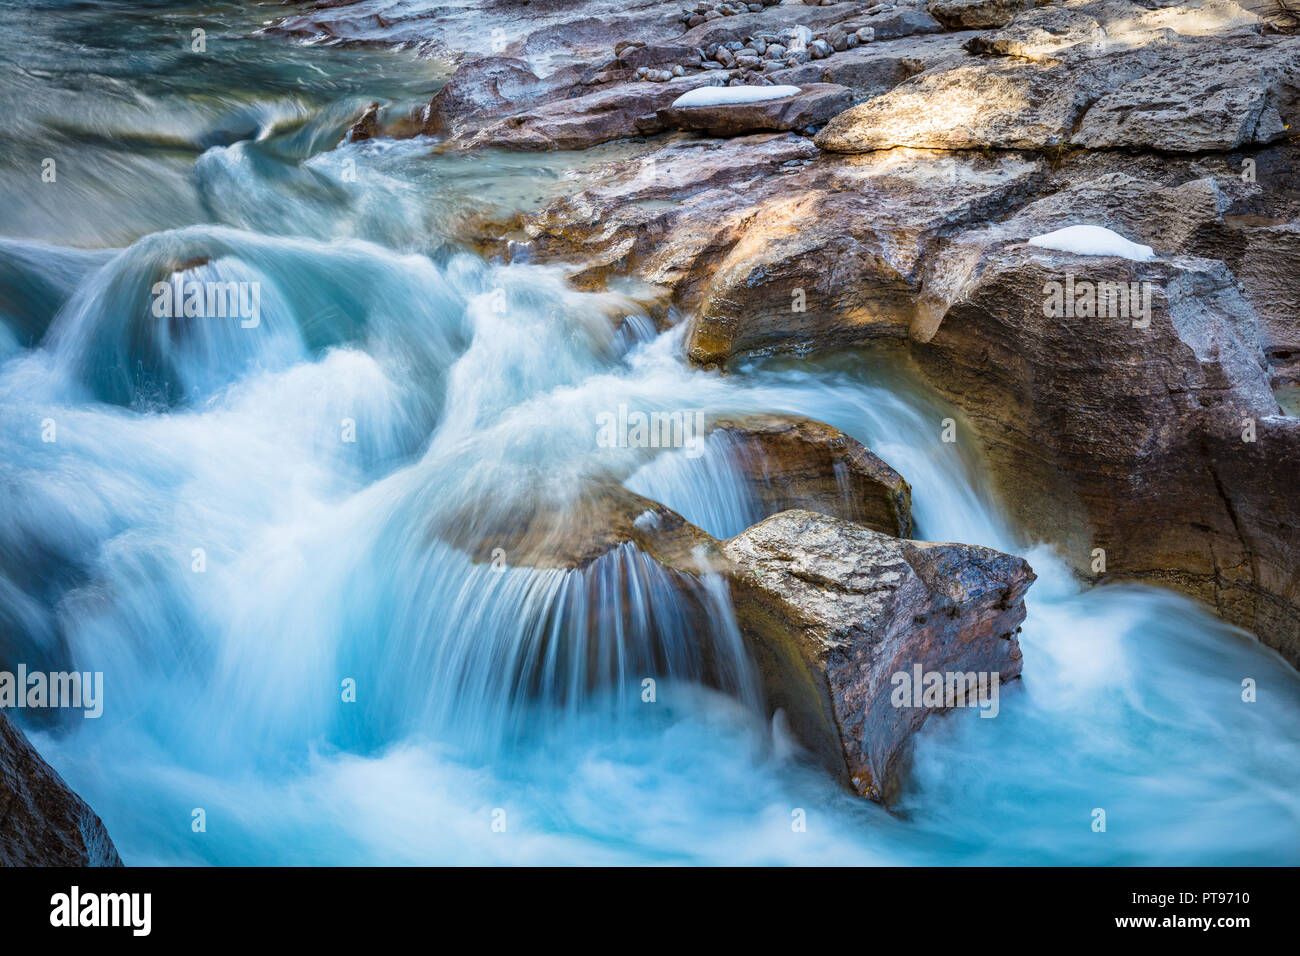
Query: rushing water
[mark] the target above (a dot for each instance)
(472, 390)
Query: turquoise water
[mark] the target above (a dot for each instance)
(482, 695)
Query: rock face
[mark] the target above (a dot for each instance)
(798, 463)
(1153, 437)
(834, 611)
(1215, 98)
(1106, 74)
(42, 822)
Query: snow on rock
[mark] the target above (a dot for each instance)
(727, 95)
(1093, 241)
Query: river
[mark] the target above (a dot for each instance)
(203, 531)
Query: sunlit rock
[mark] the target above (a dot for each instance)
(834, 611)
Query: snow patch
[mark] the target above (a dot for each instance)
(1093, 241)
(730, 95)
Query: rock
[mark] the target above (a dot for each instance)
(1059, 78)
(629, 109)
(1008, 105)
(791, 462)
(1130, 439)
(367, 126)
(1213, 97)
(812, 106)
(977, 14)
(550, 36)
(1042, 34)
(839, 259)
(572, 532)
(42, 822)
(1269, 270)
(490, 87)
(694, 191)
(833, 610)
(896, 22)
(772, 20)
(877, 68)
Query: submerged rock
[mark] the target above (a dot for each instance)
(834, 611)
(42, 822)
(829, 609)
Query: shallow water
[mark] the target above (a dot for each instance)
(473, 388)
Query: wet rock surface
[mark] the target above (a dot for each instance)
(835, 610)
(42, 822)
(798, 463)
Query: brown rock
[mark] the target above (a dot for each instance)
(834, 610)
(791, 462)
(617, 112)
(42, 822)
(1130, 439)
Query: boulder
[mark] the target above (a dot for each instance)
(977, 14)
(42, 822)
(812, 106)
(893, 22)
(617, 112)
(488, 87)
(1154, 438)
(838, 259)
(798, 463)
(833, 611)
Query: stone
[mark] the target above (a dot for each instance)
(792, 462)
(977, 14)
(833, 611)
(42, 822)
(810, 107)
